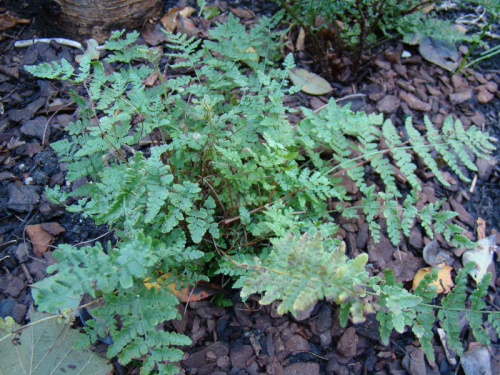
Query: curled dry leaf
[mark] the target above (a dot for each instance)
(40, 238)
(444, 281)
(91, 50)
(172, 20)
(434, 255)
(300, 44)
(482, 256)
(310, 83)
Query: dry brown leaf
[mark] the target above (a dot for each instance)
(186, 12)
(169, 19)
(189, 293)
(300, 44)
(172, 20)
(433, 254)
(444, 281)
(310, 83)
(482, 256)
(8, 20)
(40, 238)
(53, 228)
(243, 13)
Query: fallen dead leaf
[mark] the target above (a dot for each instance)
(443, 54)
(40, 238)
(434, 255)
(300, 44)
(53, 228)
(9, 19)
(243, 13)
(170, 20)
(444, 281)
(91, 50)
(310, 83)
(189, 293)
(476, 361)
(153, 34)
(482, 256)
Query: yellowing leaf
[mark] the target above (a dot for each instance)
(444, 281)
(482, 256)
(309, 82)
(189, 293)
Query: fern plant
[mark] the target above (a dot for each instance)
(327, 273)
(348, 29)
(224, 174)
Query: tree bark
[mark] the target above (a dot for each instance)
(84, 19)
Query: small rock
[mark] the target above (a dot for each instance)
(393, 56)
(21, 252)
(405, 85)
(380, 252)
(478, 119)
(416, 239)
(296, 344)
(388, 104)
(22, 198)
(460, 97)
(385, 65)
(492, 87)
(347, 344)
(198, 359)
(240, 355)
(224, 363)
(401, 70)
(375, 92)
(458, 81)
(362, 236)
(19, 312)
(6, 176)
(309, 368)
(414, 361)
(480, 78)
(484, 96)
(21, 115)
(38, 268)
(305, 314)
(37, 128)
(11, 285)
(53, 228)
(463, 215)
(324, 321)
(485, 167)
(6, 307)
(414, 102)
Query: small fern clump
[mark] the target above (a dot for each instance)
(226, 181)
(349, 28)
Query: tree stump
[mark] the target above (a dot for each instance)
(85, 19)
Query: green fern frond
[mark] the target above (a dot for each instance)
(285, 276)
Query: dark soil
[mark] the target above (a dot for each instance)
(248, 338)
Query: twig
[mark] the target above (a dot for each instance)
(63, 41)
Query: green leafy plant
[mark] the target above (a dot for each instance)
(493, 8)
(223, 175)
(327, 273)
(347, 29)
